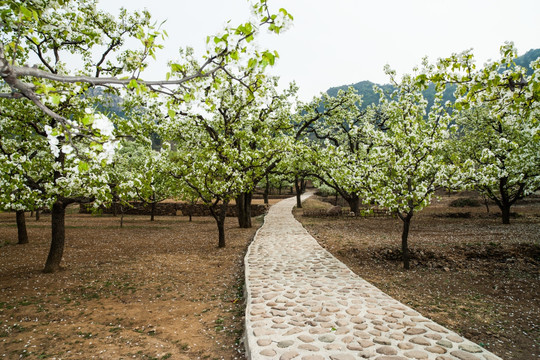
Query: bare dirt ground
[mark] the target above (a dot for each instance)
(149, 290)
(469, 272)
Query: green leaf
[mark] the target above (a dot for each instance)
(171, 113)
(176, 67)
(27, 13)
(87, 119)
(133, 84)
(55, 98)
(252, 63)
(96, 146)
(83, 166)
(269, 58)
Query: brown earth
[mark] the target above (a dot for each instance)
(149, 290)
(469, 272)
(162, 289)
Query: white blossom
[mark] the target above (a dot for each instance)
(103, 124)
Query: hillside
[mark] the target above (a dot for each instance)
(365, 88)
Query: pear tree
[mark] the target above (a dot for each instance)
(342, 140)
(141, 175)
(80, 140)
(406, 161)
(498, 117)
(224, 144)
(21, 153)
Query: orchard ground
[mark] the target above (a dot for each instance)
(469, 272)
(149, 290)
(162, 289)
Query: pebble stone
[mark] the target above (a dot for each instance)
(302, 303)
(289, 355)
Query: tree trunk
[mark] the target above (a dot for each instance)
(38, 213)
(243, 206)
(21, 227)
(506, 200)
(221, 233)
(298, 193)
(153, 213)
(219, 215)
(505, 209)
(354, 203)
(221, 223)
(266, 191)
(404, 238)
(58, 237)
(486, 202)
(153, 207)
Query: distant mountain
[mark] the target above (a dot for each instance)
(111, 103)
(525, 59)
(365, 88)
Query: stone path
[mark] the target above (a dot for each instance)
(304, 304)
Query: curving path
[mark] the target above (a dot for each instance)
(304, 304)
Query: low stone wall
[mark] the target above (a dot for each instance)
(203, 210)
(275, 196)
(171, 209)
(136, 208)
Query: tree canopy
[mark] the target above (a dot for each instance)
(215, 127)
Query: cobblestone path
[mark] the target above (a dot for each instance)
(304, 304)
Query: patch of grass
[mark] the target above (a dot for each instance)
(115, 329)
(91, 295)
(19, 328)
(45, 355)
(85, 335)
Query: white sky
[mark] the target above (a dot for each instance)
(339, 42)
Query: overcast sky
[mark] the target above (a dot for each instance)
(339, 42)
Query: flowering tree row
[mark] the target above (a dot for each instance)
(398, 153)
(223, 127)
(56, 147)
